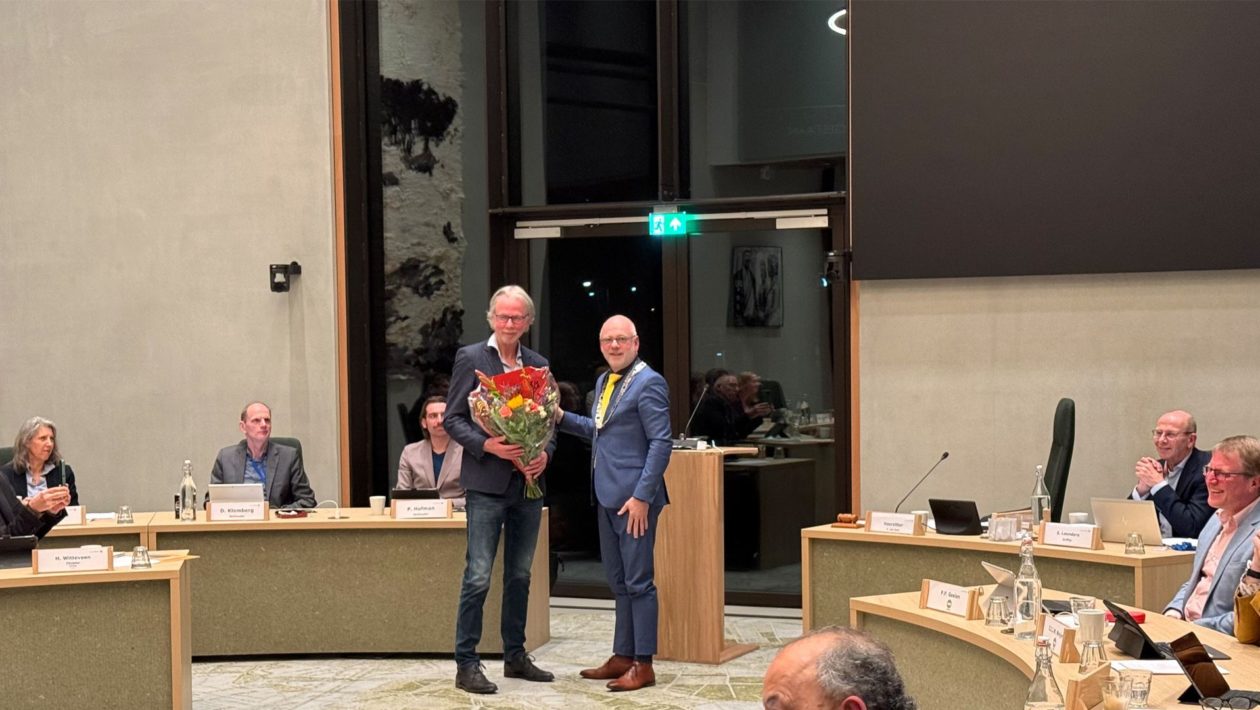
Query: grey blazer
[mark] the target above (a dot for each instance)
(287, 485)
(415, 469)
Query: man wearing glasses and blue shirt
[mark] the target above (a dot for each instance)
(495, 489)
(1233, 486)
(1174, 481)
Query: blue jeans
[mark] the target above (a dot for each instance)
(518, 518)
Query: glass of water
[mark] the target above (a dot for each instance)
(124, 516)
(1139, 687)
(1133, 544)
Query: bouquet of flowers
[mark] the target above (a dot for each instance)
(519, 406)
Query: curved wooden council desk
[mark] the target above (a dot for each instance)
(840, 563)
(366, 584)
(76, 639)
(101, 532)
(948, 662)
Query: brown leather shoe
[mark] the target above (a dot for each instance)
(640, 675)
(612, 668)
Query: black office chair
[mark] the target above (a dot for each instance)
(6, 454)
(287, 441)
(771, 391)
(412, 431)
(1060, 461)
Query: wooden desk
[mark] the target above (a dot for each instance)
(88, 639)
(839, 563)
(931, 647)
(101, 532)
(366, 584)
(823, 453)
(776, 494)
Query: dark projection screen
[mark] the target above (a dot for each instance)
(1029, 137)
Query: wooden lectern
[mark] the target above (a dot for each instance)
(690, 561)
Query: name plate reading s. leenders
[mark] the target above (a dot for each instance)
(72, 559)
(75, 515)
(950, 598)
(895, 523)
(1085, 537)
(420, 509)
(238, 510)
(1062, 638)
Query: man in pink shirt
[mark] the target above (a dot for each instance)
(1233, 483)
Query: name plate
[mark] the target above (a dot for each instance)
(895, 523)
(419, 509)
(1062, 638)
(72, 559)
(237, 510)
(75, 515)
(1085, 537)
(950, 598)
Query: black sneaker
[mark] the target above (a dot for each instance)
(470, 679)
(523, 667)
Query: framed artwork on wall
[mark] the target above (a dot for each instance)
(756, 287)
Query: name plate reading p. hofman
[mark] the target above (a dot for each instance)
(93, 558)
(420, 509)
(950, 598)
(237, 510)
(1085, 537)
(895, 523)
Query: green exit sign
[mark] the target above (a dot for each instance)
(668, 224)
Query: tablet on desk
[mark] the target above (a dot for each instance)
(416, 494)
(235, 492)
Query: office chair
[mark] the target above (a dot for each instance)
(6, 454)
(1060, 461)
(771, 391)
(412, 430)
(287, 441)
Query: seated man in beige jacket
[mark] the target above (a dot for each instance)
(435, 461)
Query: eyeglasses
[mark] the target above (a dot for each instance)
(1217, 473)
(1161, 434)
(514, 320)
(1239, 703)
(616, 339)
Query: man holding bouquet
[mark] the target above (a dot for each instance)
(495, 480)
(630, 448)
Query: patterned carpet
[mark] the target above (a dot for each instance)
(579, 638)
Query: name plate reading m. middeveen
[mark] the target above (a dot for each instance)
(92, 558)
(420, 509)
(237, 510)
(950, 598)
(1085, 537)
(895, 523)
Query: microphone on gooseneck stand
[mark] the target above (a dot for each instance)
(921, 480)
(683, 441)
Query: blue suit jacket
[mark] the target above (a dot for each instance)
(630, 453)
(482, 472)
(1186, 507)
(1218, 612)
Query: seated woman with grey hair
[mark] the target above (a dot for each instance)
(38, 478)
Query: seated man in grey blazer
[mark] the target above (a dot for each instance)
(434, 462)
(1233, 485)
(258, 459)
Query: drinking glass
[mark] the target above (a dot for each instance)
(998, 612)
(124, 516)
(1239, 703)
(1115, 692)
(140, 558)
(1133, 544)
(1139, 687)
(1078, 603)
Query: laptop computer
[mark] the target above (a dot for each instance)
(1206, 680)
(416, 494)
(1131, 638)
(1118, 517)
(955, 517)
(235, 492)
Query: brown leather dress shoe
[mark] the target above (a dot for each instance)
(612, 668)
(640, 675)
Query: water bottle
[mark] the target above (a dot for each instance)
(1027, 593)
(1044, 692)
(803, 415)
(1040, 500)
(188, 494)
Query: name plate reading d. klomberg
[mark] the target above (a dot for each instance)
(419, 509)
(92, 558)
(238, 510)
(950, 598)
(1086, 537)
(895, 523)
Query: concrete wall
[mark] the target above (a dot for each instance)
(976, 367)
(156, 157)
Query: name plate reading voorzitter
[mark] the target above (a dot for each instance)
(420, 509)
(1085, 537)
(895, 523)
(92, 558)
(950, 598)
(1062, 638)
(75, 515)
(237, 510)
